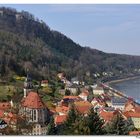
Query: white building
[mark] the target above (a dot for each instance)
(118, 103)
(98, 91)
(84, 95)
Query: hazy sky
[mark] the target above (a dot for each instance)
(110, 28)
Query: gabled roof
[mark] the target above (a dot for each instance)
(33, 101)
(44, 82)
(98, 88)
(70, 97)
(2, 122)
(62, 109)
(84, 93)
(107, 116)
(5, 105)
(60, 119)
(1, 113)
(83, 106)
(134, 133)
(132, 114)
(119, 101)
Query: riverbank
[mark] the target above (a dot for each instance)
(121, 80)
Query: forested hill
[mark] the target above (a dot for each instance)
(27, 42)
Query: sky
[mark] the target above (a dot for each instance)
(110, 28)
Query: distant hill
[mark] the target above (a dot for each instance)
(28, 43)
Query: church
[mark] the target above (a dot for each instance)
(34, 110)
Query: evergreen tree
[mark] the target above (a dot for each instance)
(118, 126)
(68, 126)
(51, 127)
(81, 126)
(95, 123)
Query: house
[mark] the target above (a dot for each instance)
(44, 83)
(62, 110)
(84, 95)
(107, 116)
(83, 107)
(118, 103)
(109, 109)
(5, 106)
(1, 113)
(62, 91)
(11, 119)
(3, 124)
(134, 117)
(98, 90)
(36, 113)
(131, 106)
(98, 103)
(39, 129)
(106, 99)
(60, 75)
(69, 99)
(134, 133)
(73, 89)
(59, 119)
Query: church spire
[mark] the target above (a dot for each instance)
(28, 86)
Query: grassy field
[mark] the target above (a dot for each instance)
(6, 90)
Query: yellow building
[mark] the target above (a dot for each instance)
(134, 117)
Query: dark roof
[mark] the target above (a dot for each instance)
(2, 122)
(118, 101)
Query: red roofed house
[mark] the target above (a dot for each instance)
(36, 112)
(69, 99)
(84, 95)
(83, 107)
(134, 117)
(134, 133)
(59, 119)
(5, 106)
(44, 83)
(62, 110)
(107, 116)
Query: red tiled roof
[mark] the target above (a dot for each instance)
(44, 81)
(132, 114)
(33, 101)
(5, 105)
(60, 119)
(137, 109)
(83, 106)
(134, 133)
(107, 116)
(63, 109)
(70, 97)
(1, 113)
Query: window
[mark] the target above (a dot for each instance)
(34, 114)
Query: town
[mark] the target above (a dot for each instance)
(27, 112)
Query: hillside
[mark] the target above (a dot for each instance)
(28, 43)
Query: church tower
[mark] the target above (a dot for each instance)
(28, 86)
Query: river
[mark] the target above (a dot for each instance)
(129, 87)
